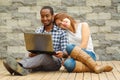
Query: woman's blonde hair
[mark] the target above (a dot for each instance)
(62, 16)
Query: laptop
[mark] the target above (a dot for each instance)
(39, 43)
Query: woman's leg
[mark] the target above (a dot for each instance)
(75, 66)
(80, 55)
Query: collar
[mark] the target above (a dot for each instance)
(54, 28)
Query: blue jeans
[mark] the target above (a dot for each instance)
(70, 63)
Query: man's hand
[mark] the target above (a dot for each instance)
(59, 54)
(32, 54)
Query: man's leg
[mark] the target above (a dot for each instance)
(41, 61)
(13, 67)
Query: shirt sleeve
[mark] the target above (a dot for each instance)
(38, 30)
(64, 40)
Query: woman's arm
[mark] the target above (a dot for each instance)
(85, 35)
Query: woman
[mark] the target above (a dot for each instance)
(80, 48)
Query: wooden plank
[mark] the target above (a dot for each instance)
(59, 73)
(117, 75)
(116, 71)
(102, 76)
(56, 75)
(79, 76)
(94, 76)
(109, 75)
(71, 76)
(64, 75)
(37, 75)
(117, 65)
(23, 77)
(87, 76)
(48, 75)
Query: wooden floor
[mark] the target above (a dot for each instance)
(63, 75)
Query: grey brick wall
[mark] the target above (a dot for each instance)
(103, 16)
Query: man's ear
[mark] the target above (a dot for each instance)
(53, 18)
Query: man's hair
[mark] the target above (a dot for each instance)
(48, 7)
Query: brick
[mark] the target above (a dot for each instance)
(50, 2)
(92, 16)
(98, 2)
(112, 22)
(104, 16)
(85, 9)
(29, 9)
(24, 23)
(16, 36)
(5, 2)
(42, 2)
(96, 43)
(105, 29)
(16, 49)
(55, 2)
(24, 9)
(98, 16)
(12, 22)
(5, 29)
(118, 9)
(5, 16)
(112, 50)
(94, 29)
(112, 36)
(74, 10)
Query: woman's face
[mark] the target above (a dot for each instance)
(65, 23)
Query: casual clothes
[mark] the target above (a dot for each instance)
(45, 61)
(75, 38)
(59, 37)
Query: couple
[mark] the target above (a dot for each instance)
(82, 58)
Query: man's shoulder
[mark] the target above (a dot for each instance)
(59, 29)
(39, 29)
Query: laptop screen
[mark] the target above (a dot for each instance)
(38, 42)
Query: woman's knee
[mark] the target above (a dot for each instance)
(69, 48)
(90, 53)
(69, 64)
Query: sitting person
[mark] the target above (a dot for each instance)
(37, 62)
(81, 52)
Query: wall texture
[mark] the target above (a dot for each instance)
(103, 16)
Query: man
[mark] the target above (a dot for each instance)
(41, 61)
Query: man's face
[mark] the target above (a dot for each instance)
(46, 17)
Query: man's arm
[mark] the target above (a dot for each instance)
(63, 44)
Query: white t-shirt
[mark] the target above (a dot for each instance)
(75, 38)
